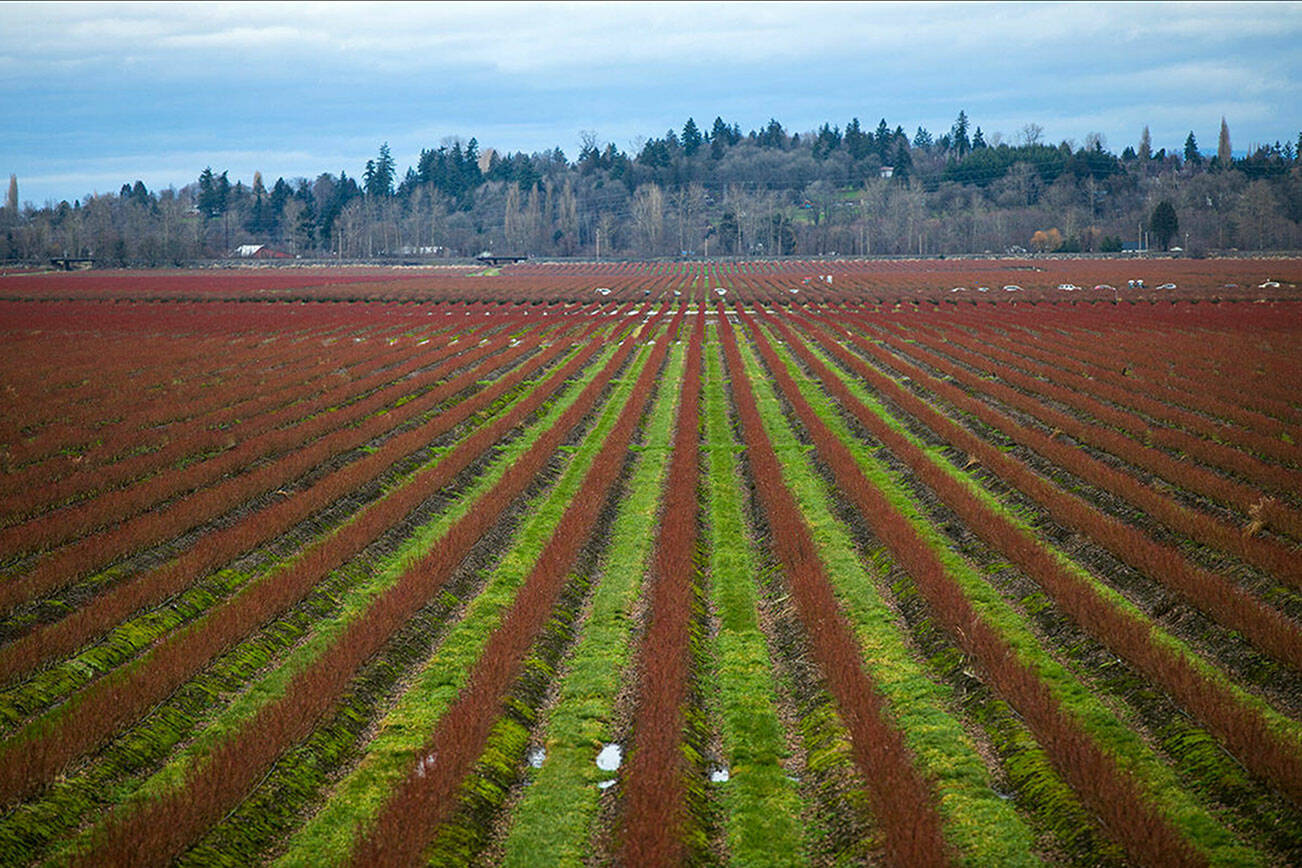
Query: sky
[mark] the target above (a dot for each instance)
(95, 95)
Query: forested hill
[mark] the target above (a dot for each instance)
(857, 190)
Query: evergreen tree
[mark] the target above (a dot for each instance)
(1145, 145)
(1164, 224)
(692, 138)
(857, 144)
(882, 140)
(773, 135)
(922, 139)
(958, 135)
(722, 137)
(827, 141)
(978, 139)
(1191, 155)
(378, 178)
(903, 163)
(1224, 155)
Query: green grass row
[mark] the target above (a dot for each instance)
(355, 801)
(140, 632)
(761, 805)
(257, 671)
(1024, 519)
(553, 823)
(1198, 754)
(983, 827)
(1157, 781)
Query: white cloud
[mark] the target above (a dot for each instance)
(309, 87)
(538, 38)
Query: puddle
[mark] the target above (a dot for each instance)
(719, 774)
(610, 757)
(536, 756)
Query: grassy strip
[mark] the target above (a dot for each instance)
(1264, 740)
(170, 825)
(984, 827)
(331, 609)
(358, 798)
(552, 824)
(262, 526)
(903, 802)
(1286, 728)
(427, 795)
(1259, 735)
(277, 806)
(1136, 759)
(760, 802)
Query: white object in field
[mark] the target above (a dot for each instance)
(610, 757)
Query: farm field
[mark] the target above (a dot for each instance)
(984, 562)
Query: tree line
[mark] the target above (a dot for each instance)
(699, 191)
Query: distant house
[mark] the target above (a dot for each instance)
(886, 172)
(259, 251)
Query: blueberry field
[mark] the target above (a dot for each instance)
(788, 563)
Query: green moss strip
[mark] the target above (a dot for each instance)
(357, 799)
(553, 822)
(983, 827)
(760, 802)
(1137, 759)
(326, 625)
(1287, 728)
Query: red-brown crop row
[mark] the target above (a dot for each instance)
(1216, 358)
(1239, 726)
(161, 828)
(1214, 531)
(1193, 407)
(328, 435)
(1265, 627)
(1092, 771)
(409, 819)
(256, 528)
(882, 281)
(655, 795)
(32, 756)
(1128, 411)
(262, 283)
(1207, 368)
(1275, 556)
(98, 393)
(93, 368)
(239, 410)
(901, 801)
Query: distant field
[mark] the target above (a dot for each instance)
(795, 563)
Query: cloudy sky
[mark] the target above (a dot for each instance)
(94, 95)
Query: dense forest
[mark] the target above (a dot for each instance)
(707, 191)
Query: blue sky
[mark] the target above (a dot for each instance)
(95, 95)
